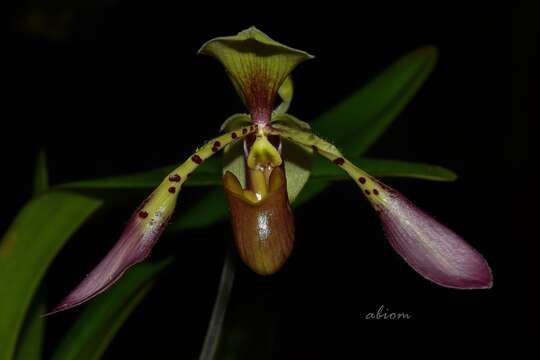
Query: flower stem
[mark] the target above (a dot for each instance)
(215, 326)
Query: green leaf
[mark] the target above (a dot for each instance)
(325, 170)
(359, 120)
(90, 335)
(32, 241)
(30, 343)
(211, 208)
(208, 174)
(312, 188)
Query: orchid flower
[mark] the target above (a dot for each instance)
(260, 183)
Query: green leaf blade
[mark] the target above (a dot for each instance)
(32, 241)
(324, 170)
(210, 209)
(359, 121)
(324, 173)
(208, 174)
(30, 343)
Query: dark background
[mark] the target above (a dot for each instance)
(116, 87)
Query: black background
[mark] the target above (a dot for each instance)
(118, 88)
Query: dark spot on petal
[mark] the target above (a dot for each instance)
(367, 192)
(175, 178)
(251, 128)
(375, 191)
(196, 159)
(217, 144)
(172, 189)
(143, 214)
(244, 131)
(339, 161)
(233, 135)
(362, 180)
(315, 149)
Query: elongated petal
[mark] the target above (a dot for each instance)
(139, 237)
(432, 249)
(263, 230)
(257, 67)
(429, 247)
(146, 224)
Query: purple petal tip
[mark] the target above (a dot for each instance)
(430, 248)
(135, 243)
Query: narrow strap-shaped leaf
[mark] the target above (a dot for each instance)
(211, 208)
(208, 174)
(30, 341)
(312, 188)
(359, 120)
(324, 170)
(215, 326)
(93, 331)
(32, 241)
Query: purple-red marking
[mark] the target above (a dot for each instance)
(196, 159)
(339, 161)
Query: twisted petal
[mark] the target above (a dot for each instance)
(432, 249)
(257, 67)
(139, 237)
(146, 224)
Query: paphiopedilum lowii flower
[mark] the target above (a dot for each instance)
(260, 182)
